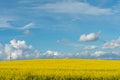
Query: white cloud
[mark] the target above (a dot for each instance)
(90, 47)
(28, 26)
(37, 54)
(98, 53)
(1, 51)
(112, 44)
(90, 37)
(17, 49)
(67, 42)
(74, 7)
(19, 44)
(106, 55)
(20, 50)
(52, 53)
(4, 22)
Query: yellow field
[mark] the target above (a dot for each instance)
(60, 69)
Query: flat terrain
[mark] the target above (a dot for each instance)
(60, 69)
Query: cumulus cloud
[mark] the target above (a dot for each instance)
(74, 7)
(98, 53)
(90, 37)
(17, 49)
(112, 44)
(51, 54)
(106, 55)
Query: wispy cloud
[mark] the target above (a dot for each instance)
(28, 26)
(74, 7)
(116, 7)
(4, 22)
(90, 47)
(67, 42)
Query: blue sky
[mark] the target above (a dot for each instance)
(88, 28)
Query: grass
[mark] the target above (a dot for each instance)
(60, 69)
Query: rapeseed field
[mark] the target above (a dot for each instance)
(60, 69)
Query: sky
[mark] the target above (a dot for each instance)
(59, 29)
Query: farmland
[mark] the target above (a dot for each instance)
(60, 69)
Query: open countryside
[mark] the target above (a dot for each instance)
(60, 69)
(59, 39)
